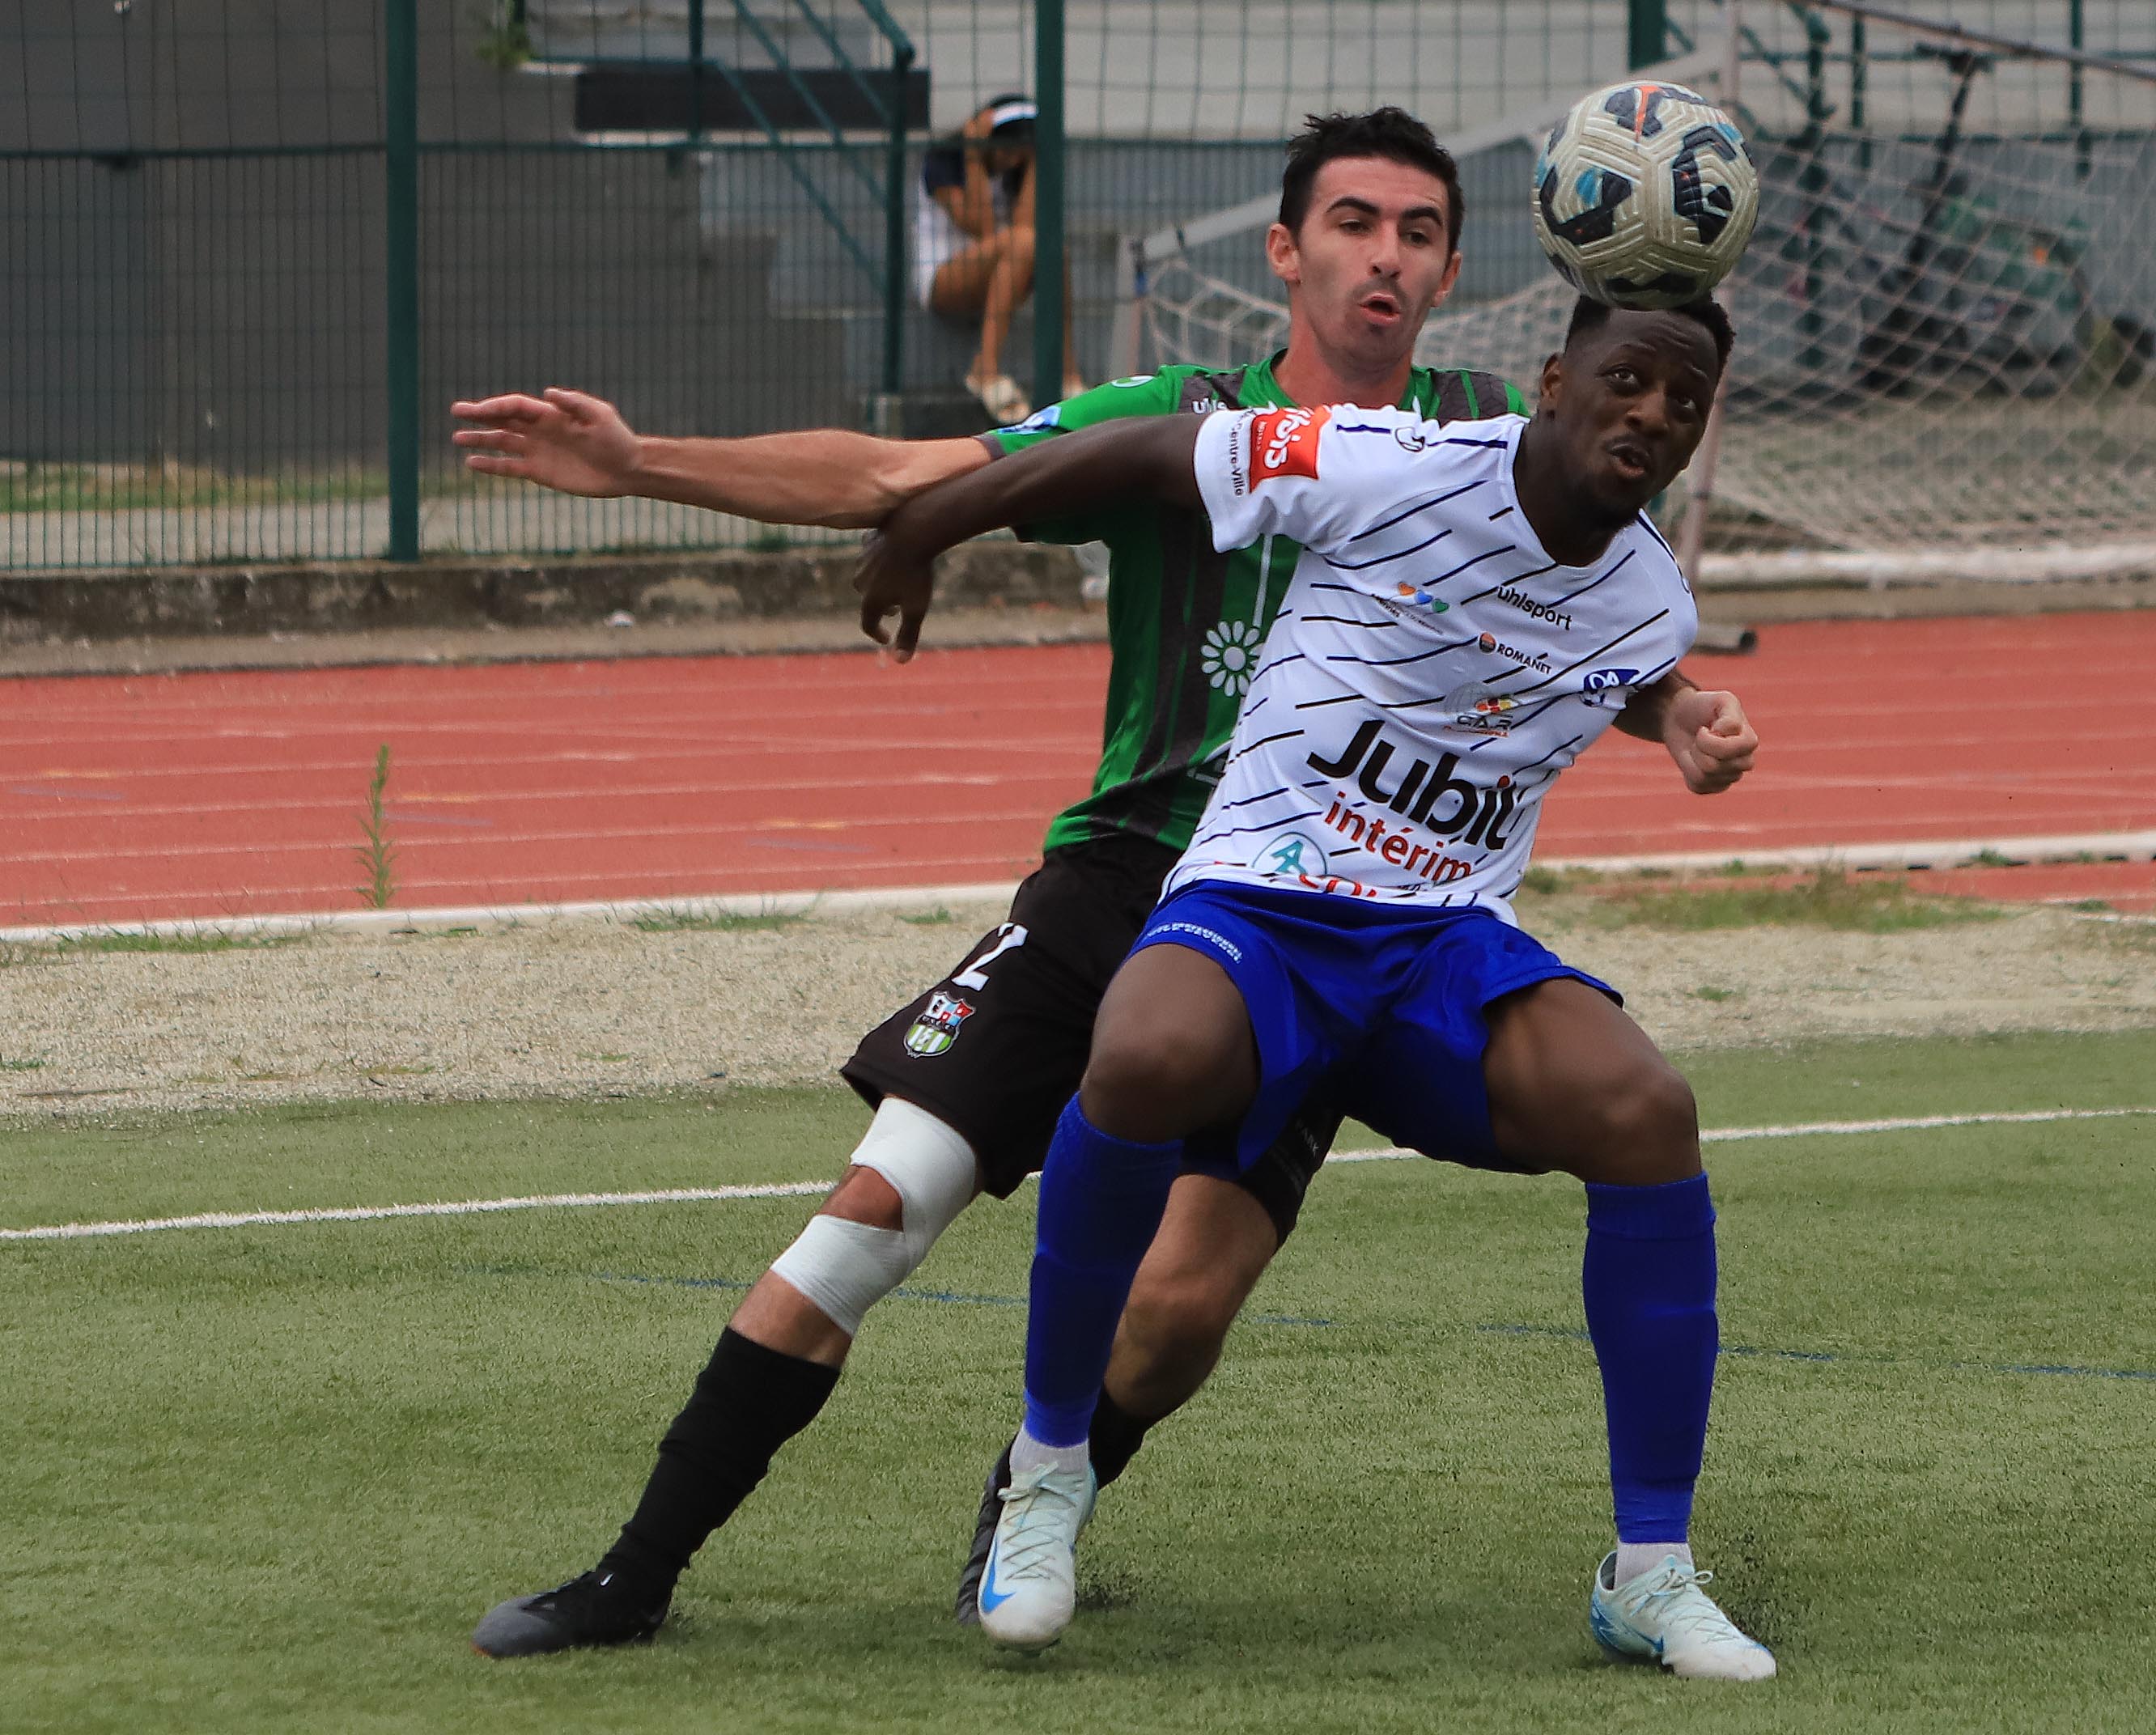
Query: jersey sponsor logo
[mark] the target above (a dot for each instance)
(1600, 680)
(1283, 443)
(1488, 715)
(1410, 439)
(938, 1026)
(1422, 599)
(1206, 406)
(1540, 611)
(1130, 380)
(1491, 642)
(1435, 797)
(1040, 422)
(1290, 854)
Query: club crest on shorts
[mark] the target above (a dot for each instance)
(938, 1026)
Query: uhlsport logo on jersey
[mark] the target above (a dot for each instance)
(1515, 598)
(938, 1026)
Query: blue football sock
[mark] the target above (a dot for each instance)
(1101, 1200)
(1648, 1283)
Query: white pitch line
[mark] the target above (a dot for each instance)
(1808, 1129)
(447, 1208)
(801, 1189)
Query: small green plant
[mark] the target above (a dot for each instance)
(1717, 995)
(938, 917)
(1990, 858)
(377, 856)
(186, 945)
(23, 1063)
(666, 921)
(1829, 898)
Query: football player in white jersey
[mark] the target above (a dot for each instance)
(1476, 603)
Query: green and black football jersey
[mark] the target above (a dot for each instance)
(1185, 623)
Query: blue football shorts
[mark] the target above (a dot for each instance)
(1375, 1008)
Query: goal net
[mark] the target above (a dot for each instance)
(1946, 361)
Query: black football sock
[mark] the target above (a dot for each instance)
(749, 1401)
(1116, 1438)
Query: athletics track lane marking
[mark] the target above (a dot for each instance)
(801, 1189)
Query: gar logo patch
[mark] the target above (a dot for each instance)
(938, 1026)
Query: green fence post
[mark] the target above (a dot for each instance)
(401, 257)
(1048, 202)
(894, 222)
(1646, 40)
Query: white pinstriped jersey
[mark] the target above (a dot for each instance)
(1432, 669)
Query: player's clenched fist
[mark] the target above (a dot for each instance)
(893, 578)
(1711, 738)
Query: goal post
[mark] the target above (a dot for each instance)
(1946, 361)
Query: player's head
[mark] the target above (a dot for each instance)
(1009, 142)
(1368, 236)
(1628, 394)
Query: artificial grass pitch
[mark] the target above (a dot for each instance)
(268, 1478)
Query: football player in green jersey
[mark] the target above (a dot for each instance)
(968, 1079)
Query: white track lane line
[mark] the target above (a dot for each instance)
(802, 1189)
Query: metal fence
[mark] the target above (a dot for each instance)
(253, 247)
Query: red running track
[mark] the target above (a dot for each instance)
(214, 795)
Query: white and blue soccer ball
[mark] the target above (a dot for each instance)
(1645, 195)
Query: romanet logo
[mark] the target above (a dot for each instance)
(1525, 659)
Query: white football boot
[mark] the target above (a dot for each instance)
(1664, 1615)
(1029, 1588)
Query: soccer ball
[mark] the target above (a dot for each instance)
(1644, 196)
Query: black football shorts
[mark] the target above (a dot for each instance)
(997, 1048)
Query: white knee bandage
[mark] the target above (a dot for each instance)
(845, 1268)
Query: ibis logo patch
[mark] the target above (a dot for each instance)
(1283, 443)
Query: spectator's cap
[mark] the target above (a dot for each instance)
(1012, 117)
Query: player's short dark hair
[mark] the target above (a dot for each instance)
(1589, 315)
(1390, 132)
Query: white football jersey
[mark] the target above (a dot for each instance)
(1432, 669)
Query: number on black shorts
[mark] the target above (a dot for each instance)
(1009, 937)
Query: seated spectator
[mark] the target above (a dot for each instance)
(973, 240)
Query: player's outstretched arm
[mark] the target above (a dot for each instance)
(576, 444)
(1152, 458)
(1708, 733)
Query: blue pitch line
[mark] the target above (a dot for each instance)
(2060, 1369)
(954, 1298)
